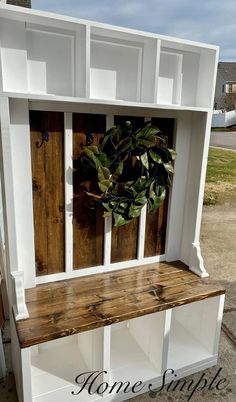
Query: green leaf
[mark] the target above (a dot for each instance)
(113, 204)
(173, 153)
(115, 189)
(90, 154)
(147, 132)
(155, 203)
(141, 198)
(118, 171)
(151, 187)
(156, 199)
(120, 220)
(144, 160)
(147, 142)
(169, 168)
(142, 183)
(104, 185)
(93, 148)
(164, 154)
(104, 161)
(125, 129)
(155, 157)
(134, 211)
(107, 145)
(103, 173)
(107, 214)
(162, 193)
(107, 206)
(124, 145)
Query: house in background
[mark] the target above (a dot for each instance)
(224, 114)
(225, 94)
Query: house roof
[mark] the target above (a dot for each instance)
(227, 70)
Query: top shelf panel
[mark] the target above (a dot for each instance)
(64, 308)
(92, 62)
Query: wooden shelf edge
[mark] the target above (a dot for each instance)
(69, 307)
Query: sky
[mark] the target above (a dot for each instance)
(210, 21)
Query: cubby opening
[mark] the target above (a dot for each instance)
(56, 60)
(134, 355)
(185, 75)
(56, 364)
(13, 60)
(192, 333)
(50, 58)
(170, 78)
(122, 66)
(115, 71)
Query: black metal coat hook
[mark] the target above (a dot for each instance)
(89, 138)
(44, 129)
(44, 138)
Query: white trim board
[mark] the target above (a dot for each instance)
(31, 15)
(68, 174)
(32, 98)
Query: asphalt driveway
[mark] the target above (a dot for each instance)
(223, 139)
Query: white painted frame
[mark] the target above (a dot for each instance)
(68, 166)
(175, 216)
(186, 196)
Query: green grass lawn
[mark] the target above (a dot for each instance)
(221, 177)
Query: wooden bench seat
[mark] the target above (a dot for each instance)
(68, 307)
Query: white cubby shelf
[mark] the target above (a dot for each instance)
(133, 352)
(130, 319)
(192, 333)
(52, 379)
(167, 321)
(140, 349)
(93, 61)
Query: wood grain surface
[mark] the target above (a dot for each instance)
(125, 238)
(48, 191)
(68, 307)
(156, 222)
(88, 223)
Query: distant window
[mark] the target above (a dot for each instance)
(230, 88)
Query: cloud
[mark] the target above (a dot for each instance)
(203, 20)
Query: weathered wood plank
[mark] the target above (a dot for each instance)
(127, 234)
(83, 299)
(88, 224)
(76, 305)
(48, 191)
(155, 234)
(57, 289)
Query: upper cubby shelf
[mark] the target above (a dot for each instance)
(40, 55)
(186, 75)
(50, 61)
(122, 66)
